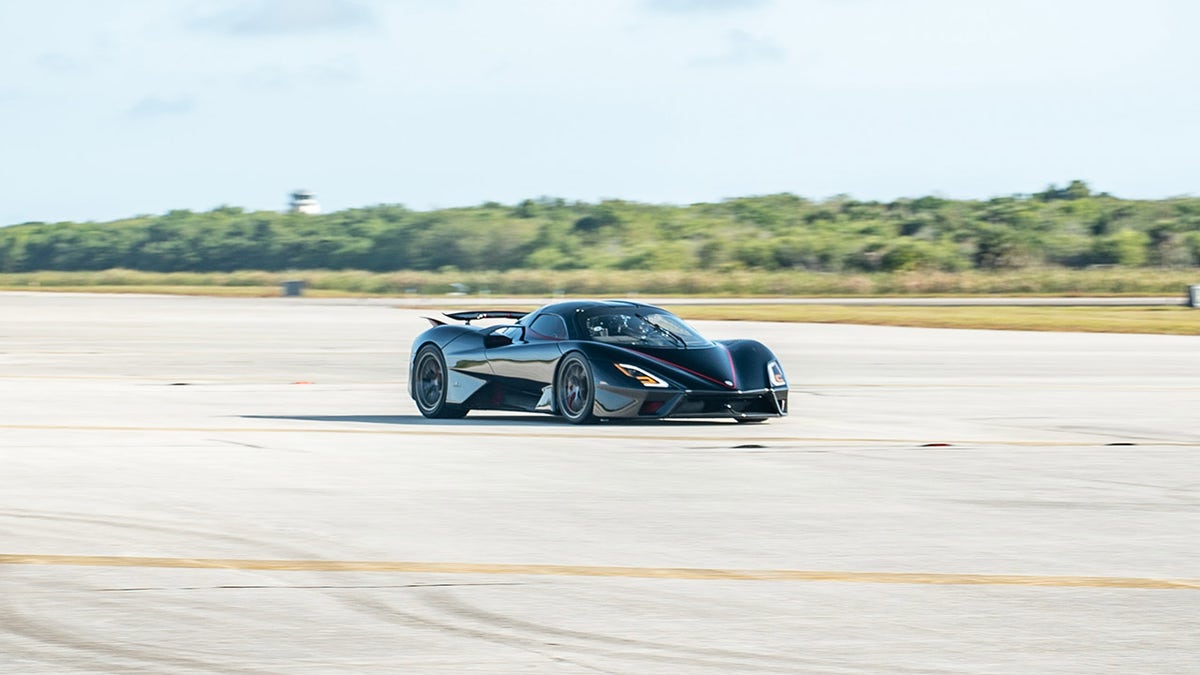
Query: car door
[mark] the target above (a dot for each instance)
(529, 361)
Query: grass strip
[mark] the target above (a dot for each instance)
(1151, 320)
(1167, 320)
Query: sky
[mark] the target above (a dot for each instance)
(116, 108)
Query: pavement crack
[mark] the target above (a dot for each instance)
(237, 443)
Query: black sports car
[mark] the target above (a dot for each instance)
(588, 360)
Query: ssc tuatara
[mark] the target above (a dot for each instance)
(592, 360)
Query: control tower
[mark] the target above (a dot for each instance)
(304, 201)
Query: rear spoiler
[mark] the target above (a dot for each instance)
(468, 317)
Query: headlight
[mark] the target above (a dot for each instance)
(640, 375)
(775, 374)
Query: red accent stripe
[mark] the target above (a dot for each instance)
(732, 368)
(684, 368)
(542, 336)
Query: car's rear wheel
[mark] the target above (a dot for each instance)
(575, 390)
(430, 384)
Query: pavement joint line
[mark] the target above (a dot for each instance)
(442, 431)
(688, 573)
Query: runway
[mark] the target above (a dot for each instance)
(243, 486)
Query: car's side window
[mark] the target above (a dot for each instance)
(511, 332)
(547, 327)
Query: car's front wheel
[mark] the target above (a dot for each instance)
(430, 384)
(575, 390)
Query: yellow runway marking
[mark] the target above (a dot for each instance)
(532, 434)
(600, 571)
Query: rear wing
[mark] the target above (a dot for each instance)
(468, 317)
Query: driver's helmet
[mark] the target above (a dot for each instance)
(607, 325)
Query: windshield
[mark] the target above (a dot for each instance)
(643, 326)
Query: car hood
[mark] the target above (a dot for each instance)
(712, 365)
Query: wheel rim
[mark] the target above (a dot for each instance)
(430, 382)
(575, 389)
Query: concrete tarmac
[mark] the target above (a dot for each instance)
(243, 486)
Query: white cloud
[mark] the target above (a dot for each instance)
(284, 17)
(157, 106)
(743, 49)
(704, 6)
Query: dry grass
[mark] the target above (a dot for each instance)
(537, 283)
(1158, 320)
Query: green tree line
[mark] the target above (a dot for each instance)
(1068, 227)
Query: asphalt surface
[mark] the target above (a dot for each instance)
(243, 486)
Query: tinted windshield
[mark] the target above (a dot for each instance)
(642, 326)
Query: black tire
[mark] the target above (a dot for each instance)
(575, 389)
(750, 420)
(430, 385)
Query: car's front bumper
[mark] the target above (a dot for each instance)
(629, 402)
